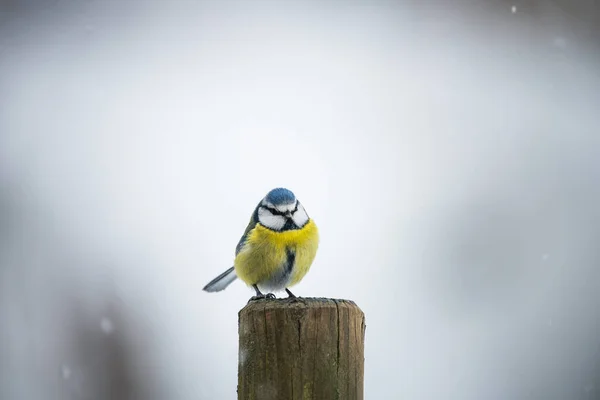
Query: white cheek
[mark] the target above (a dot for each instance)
(300, 217)
(275, 222)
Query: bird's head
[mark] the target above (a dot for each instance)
(281, 211)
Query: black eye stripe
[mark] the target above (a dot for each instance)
(276, 212)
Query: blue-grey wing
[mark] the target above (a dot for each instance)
(251, 225)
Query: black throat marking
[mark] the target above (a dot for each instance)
(289, 225)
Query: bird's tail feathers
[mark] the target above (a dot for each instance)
(221, 281)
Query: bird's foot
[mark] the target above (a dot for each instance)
(257, 297)
(262, 297)
(292, 297)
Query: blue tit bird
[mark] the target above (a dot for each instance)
(277, 248)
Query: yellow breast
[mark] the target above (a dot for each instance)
(265, 253)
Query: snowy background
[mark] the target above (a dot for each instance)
(450, 154)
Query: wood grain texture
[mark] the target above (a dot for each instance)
(308, 349)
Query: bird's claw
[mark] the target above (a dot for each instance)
(254, 298)
(262, 297)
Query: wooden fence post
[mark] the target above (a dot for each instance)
(303, 349)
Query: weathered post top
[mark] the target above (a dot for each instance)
(301, 349)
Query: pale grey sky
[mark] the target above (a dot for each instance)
(450, 157)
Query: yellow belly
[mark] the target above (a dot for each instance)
(265, 254)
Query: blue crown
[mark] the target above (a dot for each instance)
(280, 196)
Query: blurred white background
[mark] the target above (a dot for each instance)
(450, 154)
